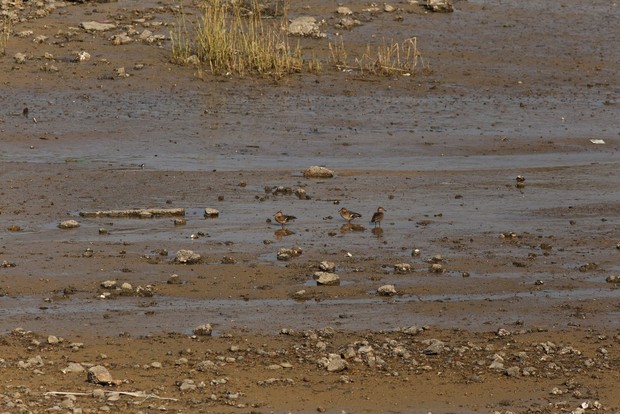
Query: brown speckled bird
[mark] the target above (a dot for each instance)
(377, 217)
(283, 218)
(348, 215)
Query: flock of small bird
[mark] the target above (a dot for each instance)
(345, 213)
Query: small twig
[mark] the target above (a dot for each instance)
(139, 394)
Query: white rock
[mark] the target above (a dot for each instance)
(52, 340)
(388, 8)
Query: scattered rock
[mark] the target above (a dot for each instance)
(82, 56)
(301, 194)
(19, 58)
(388, 8)
(285, 254)
(434, 347)
(187, 385)
(326, 266)
(97, 27)
(402, 268)
(68, 224)
(318, 172)
(344, 11)
(613, 279)
(211, 212)
(335, 363)
(440, 6)
(387, 290)
(436, 268)
(187, 257)
(174, 280)
(121, 39)
(305, 26)
(52, 340)
(108, 284)
(228, 260)
(100, 375)
(203, 330)
(348, 23)
(73, 368)
(588, 267)
(503, 332)
(326, 279)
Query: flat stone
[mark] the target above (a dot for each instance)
(68, 224)
(212, 212)
(96, 26)
(100, 375)
(326, 279)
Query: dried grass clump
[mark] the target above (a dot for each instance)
(229, 38)
(5, 33)
(386, 59)
(234, 37)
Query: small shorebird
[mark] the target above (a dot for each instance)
(348, 215)
(283, 218)
(377, 217)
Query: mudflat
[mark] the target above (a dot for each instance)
(491, 284)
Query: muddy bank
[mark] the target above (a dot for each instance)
(524, 90)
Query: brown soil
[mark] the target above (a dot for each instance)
(528, 319)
